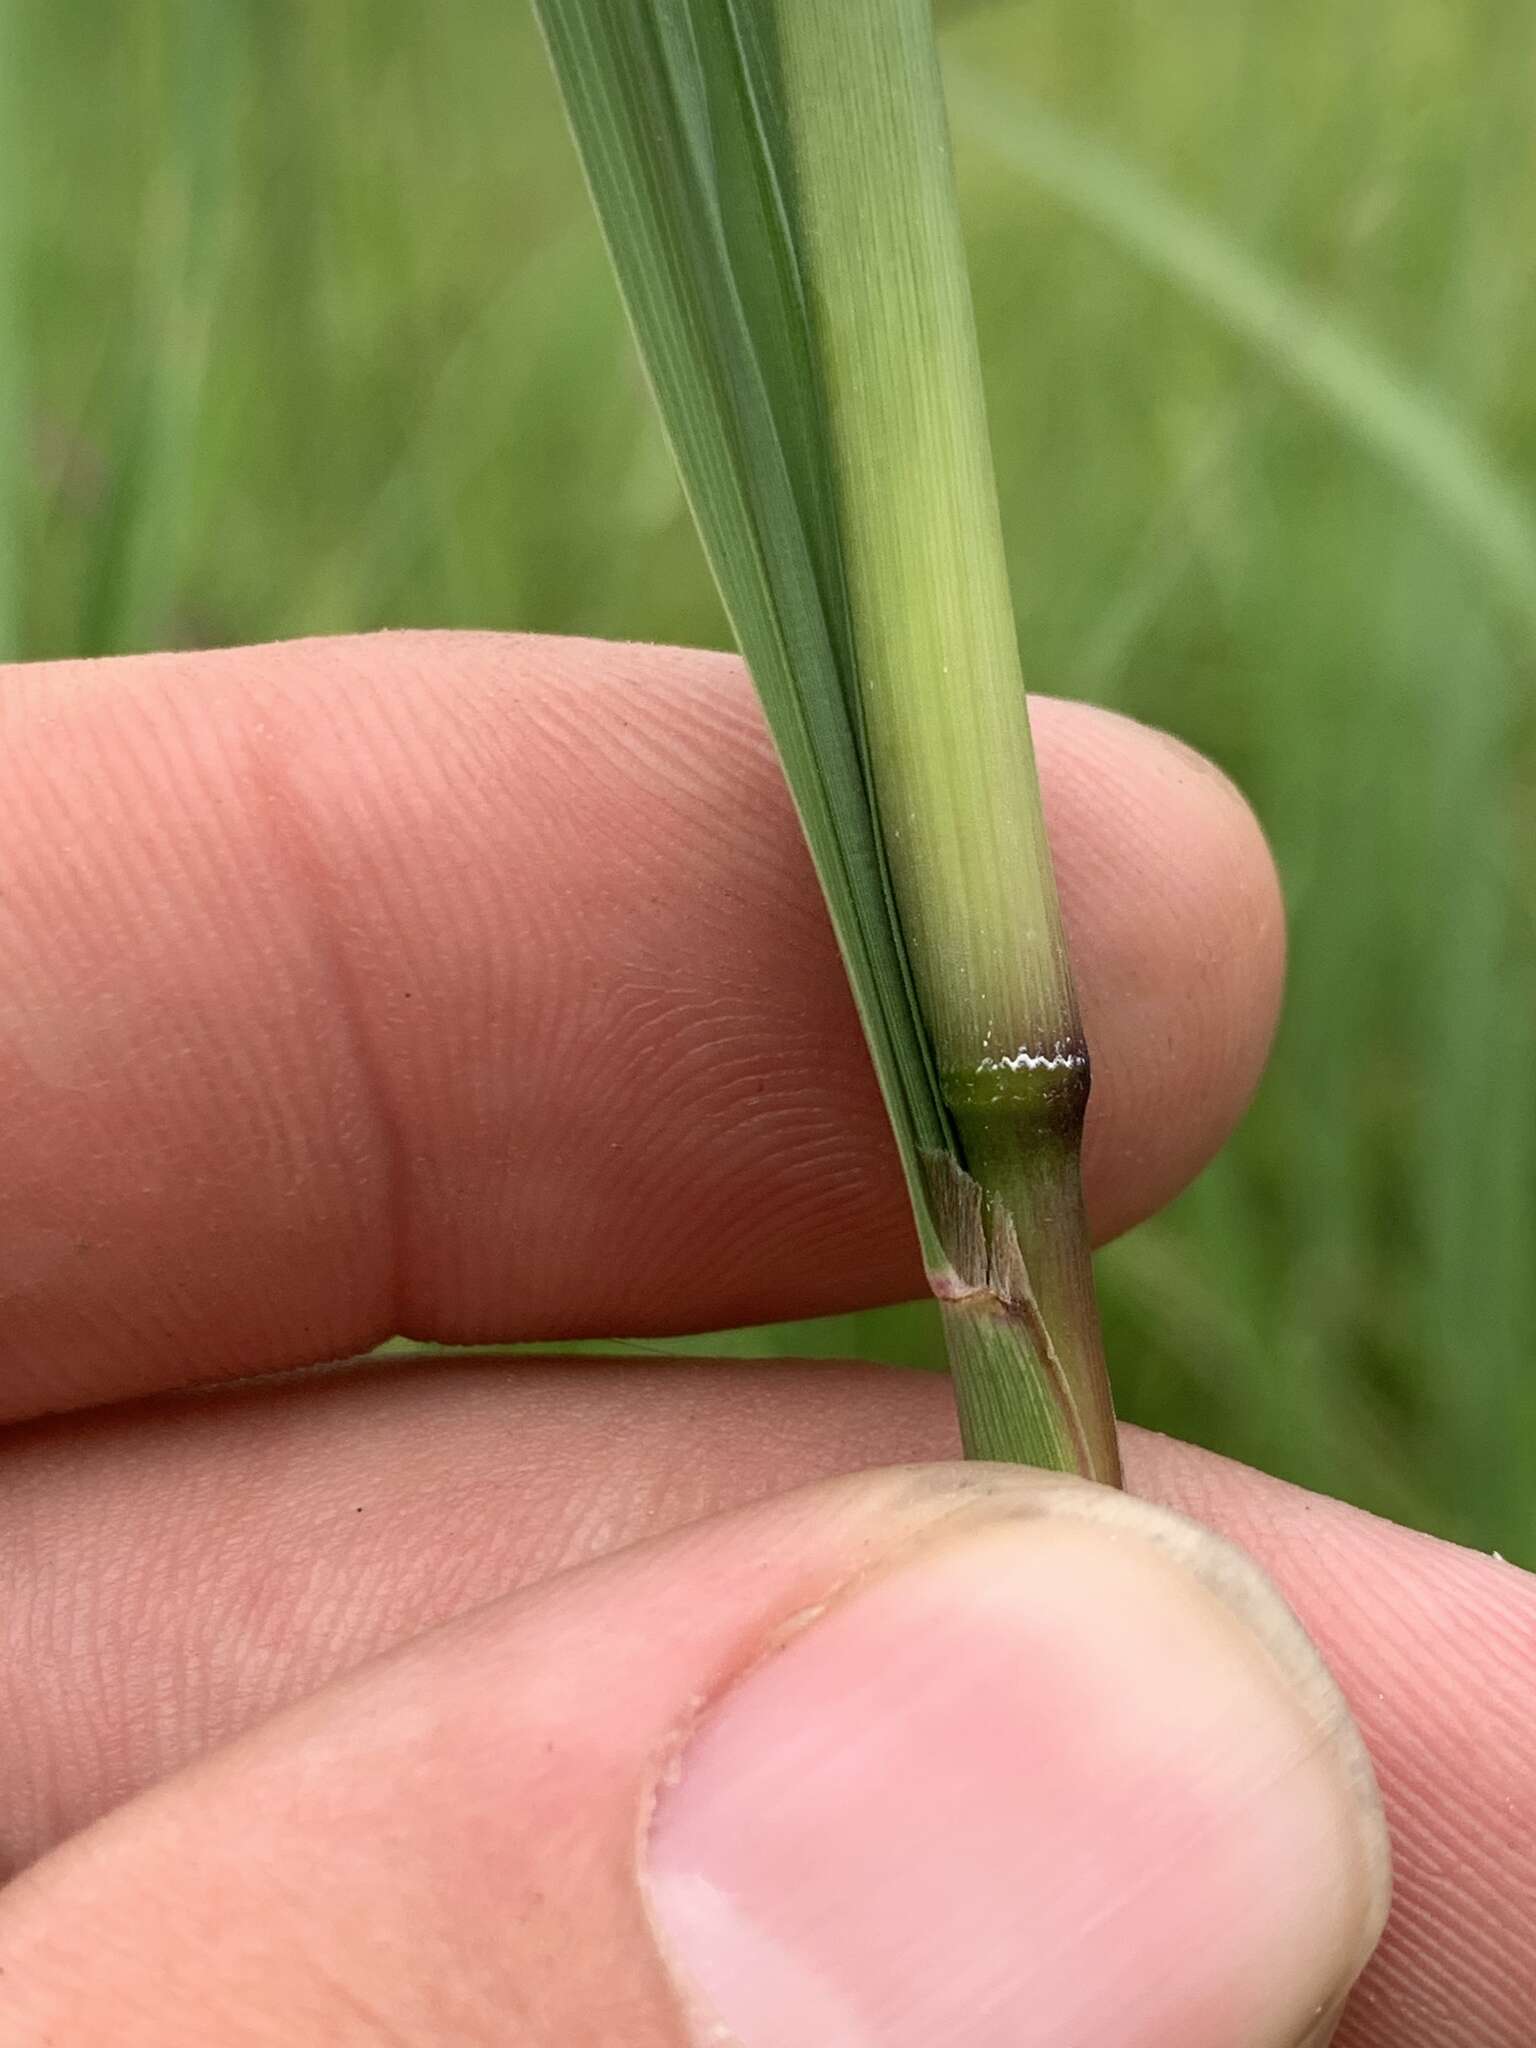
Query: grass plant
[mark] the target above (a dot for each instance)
(418, 406)
(775, 183)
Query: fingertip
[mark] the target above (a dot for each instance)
(1064, 1756)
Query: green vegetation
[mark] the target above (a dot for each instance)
(1266, 486)
(776, 186)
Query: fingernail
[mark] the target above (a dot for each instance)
(1323, 2029)
(1039, 1783)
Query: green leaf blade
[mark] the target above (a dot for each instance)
(642, 94)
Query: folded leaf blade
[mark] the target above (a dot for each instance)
(649, 88)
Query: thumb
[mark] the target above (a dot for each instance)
(959, 1755)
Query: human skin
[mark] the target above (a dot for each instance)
(478, 988)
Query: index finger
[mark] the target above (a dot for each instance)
(479, 988)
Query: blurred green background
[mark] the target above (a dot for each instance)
(305, 326)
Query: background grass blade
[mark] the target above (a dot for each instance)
(1404, 426)
(15, 409)
(197, 56)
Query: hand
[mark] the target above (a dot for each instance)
(479, 988)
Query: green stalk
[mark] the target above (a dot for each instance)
(774, 178)
(945, 715)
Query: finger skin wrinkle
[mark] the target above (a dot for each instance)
(297, 852)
